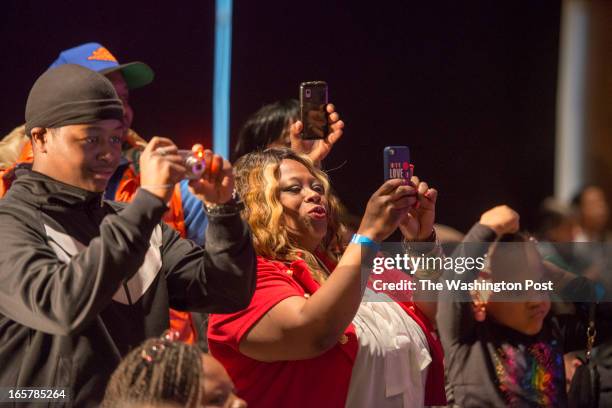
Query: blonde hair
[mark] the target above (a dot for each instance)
(257, 182)
(11, 145)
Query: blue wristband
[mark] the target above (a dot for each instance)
(365, 241)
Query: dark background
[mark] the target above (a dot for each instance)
(470, 86)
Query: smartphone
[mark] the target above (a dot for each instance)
(313, 113)
(397, 162)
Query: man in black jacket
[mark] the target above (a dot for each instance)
(83, 280)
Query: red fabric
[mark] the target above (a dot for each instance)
(6, 179)
(7, 176)
(27, 154)
(128, 185)
(183, 324)
(318, 382)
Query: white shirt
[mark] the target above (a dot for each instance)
(391, 365)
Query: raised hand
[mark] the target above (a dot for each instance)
(161, 167)
(501, 219)
(386, 208)
(317, 150)
(417, 224)
(217, 183)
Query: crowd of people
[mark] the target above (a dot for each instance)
(128, 284)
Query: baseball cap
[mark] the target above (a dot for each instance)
(98, 58)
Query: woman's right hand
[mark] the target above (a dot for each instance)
(386, 208)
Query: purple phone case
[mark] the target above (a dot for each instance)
(397, 162)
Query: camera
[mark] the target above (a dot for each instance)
(193, 160)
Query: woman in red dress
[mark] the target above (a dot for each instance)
(315, 334)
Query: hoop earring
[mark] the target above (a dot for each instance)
(480, 310)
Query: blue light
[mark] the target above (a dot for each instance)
(222, 74)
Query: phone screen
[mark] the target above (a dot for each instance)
(313, 114)
(397, 162)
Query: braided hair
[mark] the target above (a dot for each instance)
(158, 371)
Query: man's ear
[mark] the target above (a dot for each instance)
(39, 139)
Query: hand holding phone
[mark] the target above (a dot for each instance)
(313, 114)
(418, 224)
(397, 162)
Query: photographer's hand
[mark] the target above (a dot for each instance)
(317, 150)
(217, 183)
(161, 167)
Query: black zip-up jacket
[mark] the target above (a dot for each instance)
(83, 281)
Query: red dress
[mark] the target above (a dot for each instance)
(322, 381)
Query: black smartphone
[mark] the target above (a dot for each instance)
(397, 162)
(313, 113)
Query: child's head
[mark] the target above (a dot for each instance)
(514, 258)
(163, 371)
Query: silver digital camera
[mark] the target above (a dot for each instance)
(194, 162)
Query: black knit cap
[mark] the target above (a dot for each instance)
(68, 95)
